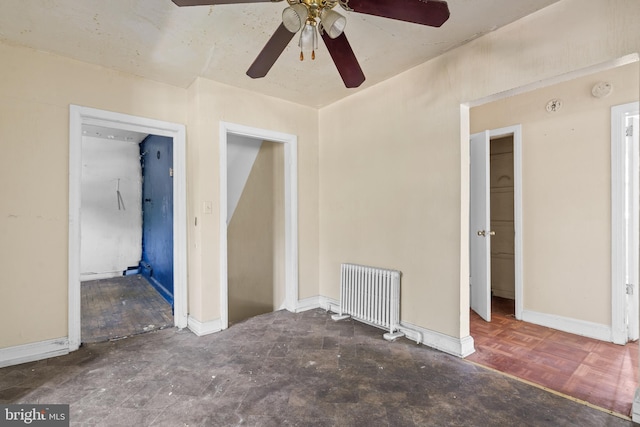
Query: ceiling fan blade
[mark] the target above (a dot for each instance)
(345, 60)
(426, 12)
(270, 53)
(213, 2)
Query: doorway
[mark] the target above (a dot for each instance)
(495, 219)
(625, 222)
(569, 284)
(84, 116)
(288, 142)
(125, 287)
(255, 233)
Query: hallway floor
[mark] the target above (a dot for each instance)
(597, 372)
(120, 307)
(281, 369)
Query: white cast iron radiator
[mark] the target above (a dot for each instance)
(371, 295)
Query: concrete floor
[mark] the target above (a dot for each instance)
(284, 369)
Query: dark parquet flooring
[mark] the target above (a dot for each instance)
(601, 373)
(120, 307)
(284, 369)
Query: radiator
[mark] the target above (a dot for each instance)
(371, 295)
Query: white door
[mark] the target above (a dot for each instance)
(631, 225)
(625, 245)
(480, 226)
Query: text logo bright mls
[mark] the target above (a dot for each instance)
(34, 415)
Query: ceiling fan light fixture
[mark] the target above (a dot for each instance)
(308, 39)
(293, 17)
(332, 23)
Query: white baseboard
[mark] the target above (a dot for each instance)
(329, 304)
(34, 351)
(204, 328)
(460, 347)
(325, 303)
(308, 304)
(573, 326)
(99, 276)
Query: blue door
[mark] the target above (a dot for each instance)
(156, 156)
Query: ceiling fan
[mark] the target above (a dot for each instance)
(313, 16)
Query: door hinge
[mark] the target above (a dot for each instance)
(629, 130)
(170, 171)
(629, 289)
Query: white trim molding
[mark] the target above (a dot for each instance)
(79, 116)
(624, 168)
(291, 211)
(460, 347)
(204, 328)
(566, 324)
(309, 304)
(329, 304)
(34, 351)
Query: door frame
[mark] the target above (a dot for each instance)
(290, 211)
(516, 132)
(622, 328)
(79, 116)
(465, 126)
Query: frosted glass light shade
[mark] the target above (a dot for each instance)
(294, 16)
(308, 38)
(333, 23)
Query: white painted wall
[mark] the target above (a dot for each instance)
(241, 155)
(111, 232)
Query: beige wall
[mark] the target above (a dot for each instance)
(35, 92)
(210, 103)
(394, 158)
(383, 174)
(255, 239)
(566, 191)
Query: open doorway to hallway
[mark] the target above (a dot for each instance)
(255, 231)
(495, 219)
(126, 226)
(281, 263)
(562, 335)
(81, 117)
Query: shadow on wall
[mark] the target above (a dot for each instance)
(255, 238)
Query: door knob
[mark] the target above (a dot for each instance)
(486, 233)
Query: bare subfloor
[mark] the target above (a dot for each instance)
(284, 369)
(120, 307)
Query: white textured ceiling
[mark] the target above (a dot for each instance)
(160, 41)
